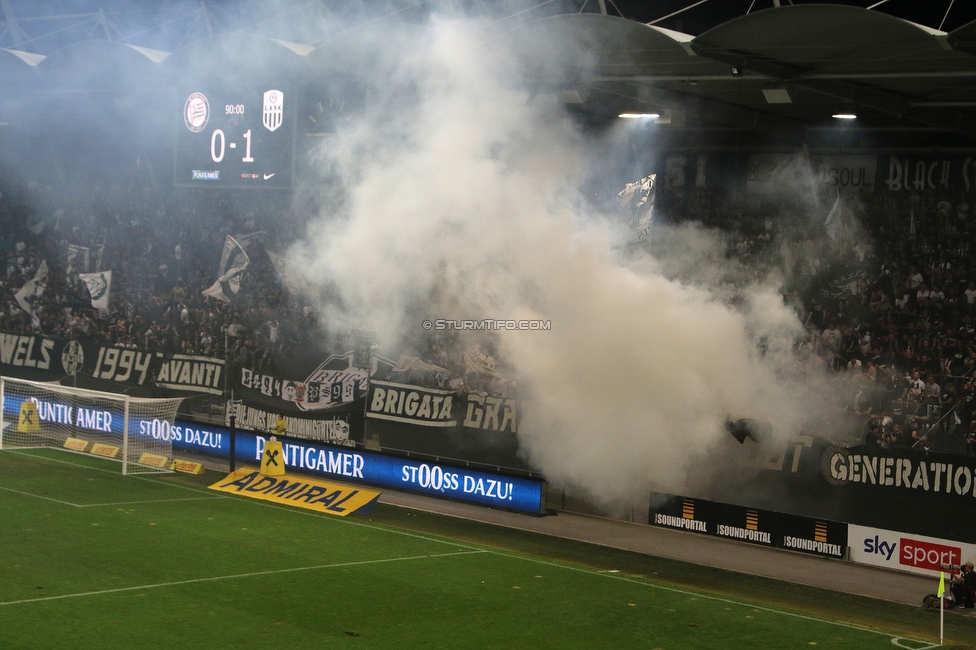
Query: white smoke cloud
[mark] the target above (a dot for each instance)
(459, 199)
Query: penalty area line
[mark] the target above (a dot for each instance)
(235, 577)
(38, 496)
(129, 503)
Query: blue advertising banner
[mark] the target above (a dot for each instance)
(434, 479)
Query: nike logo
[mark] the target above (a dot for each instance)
(267, 176)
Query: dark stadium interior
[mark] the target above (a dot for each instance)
(870, 223)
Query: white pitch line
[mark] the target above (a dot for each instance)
(127, 503)
(265, 504)
(38, 496)
(529, 559)
(720, 599)
(235, 576)
(106, 471)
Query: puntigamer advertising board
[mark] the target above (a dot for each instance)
(435, 479)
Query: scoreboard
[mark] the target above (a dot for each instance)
(235, 137)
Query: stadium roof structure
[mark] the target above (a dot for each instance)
(781, 71)
(773, 76)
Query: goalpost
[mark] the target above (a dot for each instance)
(132, 430)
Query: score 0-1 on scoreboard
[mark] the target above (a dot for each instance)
(236, 138)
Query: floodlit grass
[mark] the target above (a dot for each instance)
(92, 559)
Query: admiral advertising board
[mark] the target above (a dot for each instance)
(762, 527)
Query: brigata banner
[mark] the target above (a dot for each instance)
(434, 407)
(763, 527)
(409, 404)
(906, 551)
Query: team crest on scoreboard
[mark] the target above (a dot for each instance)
(196, 112)
(273, 109)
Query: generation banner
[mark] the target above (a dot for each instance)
(902, 471)
(763, 527)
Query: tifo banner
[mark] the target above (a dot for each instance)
(428, 407)
(905, 551)
(190, 373)
(490, 413)
(331, 428)
(763, 527)
(335, 382)
(772, 173)
(903, 173)
(311, 494)
(341, 386)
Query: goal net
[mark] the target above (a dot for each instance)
(131, 430)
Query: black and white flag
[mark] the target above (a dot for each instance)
(233, 262)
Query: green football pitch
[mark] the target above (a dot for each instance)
(92, 559)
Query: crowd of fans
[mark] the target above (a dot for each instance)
(163, 251)
(889, 300)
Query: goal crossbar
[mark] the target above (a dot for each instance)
(110, 425)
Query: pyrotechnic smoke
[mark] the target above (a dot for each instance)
(458, 197)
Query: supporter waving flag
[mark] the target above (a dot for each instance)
(99, 286)
(233, 262)
(32, 289)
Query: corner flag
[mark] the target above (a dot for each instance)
(942, 607)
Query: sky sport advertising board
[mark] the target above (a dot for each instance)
(433, 479)
(905, 551)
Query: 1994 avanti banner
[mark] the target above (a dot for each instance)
(44, 358)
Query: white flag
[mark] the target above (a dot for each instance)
(636, 201)
(233, 261)
(32, 289)
(295, 284)
(77, 259)
(99, 286)
(834, 223)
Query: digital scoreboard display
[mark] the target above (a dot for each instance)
(235, 138)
